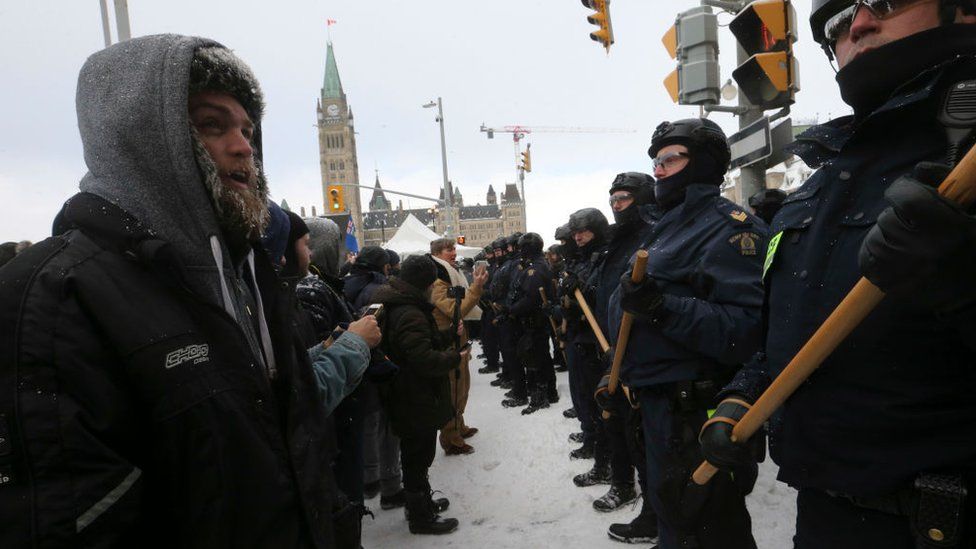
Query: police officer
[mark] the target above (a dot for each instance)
(629, 192)
(554, 258)
(887, 419)
(697, 319)
(525, 308)
(766, 202)
(508, 330)
(570, 255)
(589, 228)
(489, 330)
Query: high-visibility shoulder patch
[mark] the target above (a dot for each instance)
(771, 253)
(745, 242)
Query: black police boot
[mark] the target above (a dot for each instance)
(599, 474)
(398, 499)
(423, 518)
(586, 451)
(515, 402)
(371, 489)
(440, 504)
(538, 402)
(643, 529)
(615, 498)
(497, 382)
(488, 370)
(576, 437)
(552, 395)
(570, 413)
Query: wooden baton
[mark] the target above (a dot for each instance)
(604, 346)
(959, 187)
(623, 336)
(552, 322)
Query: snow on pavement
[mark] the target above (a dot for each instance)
(517, 491)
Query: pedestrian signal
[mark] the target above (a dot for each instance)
(693, 42)
(766, 30)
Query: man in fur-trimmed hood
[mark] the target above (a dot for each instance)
(155, 388)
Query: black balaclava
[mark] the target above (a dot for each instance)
(873, 76)
(708, 157)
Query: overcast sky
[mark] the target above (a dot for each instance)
(502, 62)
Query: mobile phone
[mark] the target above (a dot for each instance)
(373, 310)
(480, 265)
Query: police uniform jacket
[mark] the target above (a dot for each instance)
(897, 396)
(706, 256)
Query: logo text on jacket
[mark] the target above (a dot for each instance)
(191, 353)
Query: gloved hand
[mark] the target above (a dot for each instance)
(549, 309)
(923, 248)
(381, 369)
(569, 284)
(716, 436)
(602, 394)
(643, 299)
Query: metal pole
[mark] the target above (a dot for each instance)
(122, 19)
(448, 191)
(106, 29)
(752, 179)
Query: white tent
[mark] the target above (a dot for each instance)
(413, 238)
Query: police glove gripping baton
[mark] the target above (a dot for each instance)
(555, 328)
(604, 346)
(636, 276)
(959, 187)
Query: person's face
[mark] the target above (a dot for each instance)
(387, 269)
(498, 253)
(583, 237)
(868, 32)
(448, 254)
(304, 255)
(226, 131)
(621, 200)
(670, 160)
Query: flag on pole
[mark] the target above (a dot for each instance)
(351, 244)
(330, 22)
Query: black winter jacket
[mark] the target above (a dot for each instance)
(420, 399)
(136, 414)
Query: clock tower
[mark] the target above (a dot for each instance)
(337, 144)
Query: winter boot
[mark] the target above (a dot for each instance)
(570, 413)
(422, 517)
(398, 499)
(515, 402)
(576, 437)
(599, 474)
(538, 402)
(440, 504)
(510, 393)
(586, 451)
(371, 489)
(488, 370)
(643, 529)
(497, 382)
(615, 498)
(552, 395)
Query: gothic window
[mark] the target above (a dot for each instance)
(342, 164)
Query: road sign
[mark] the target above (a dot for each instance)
(751, 144)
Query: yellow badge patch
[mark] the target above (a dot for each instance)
(739, 215)
(531, 272)
(745, 242)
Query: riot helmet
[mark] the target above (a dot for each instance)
(589, 219)
(701, 136)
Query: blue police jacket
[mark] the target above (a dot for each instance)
(706, 255)
(897, 396)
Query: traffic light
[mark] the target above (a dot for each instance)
(337, 200)
(600, 18)
(461, 240)
(766, 30)
(693, 42)
(527, 159)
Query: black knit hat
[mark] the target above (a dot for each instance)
(372, 258)
(418, 271)
(392, 258)
(298, 227)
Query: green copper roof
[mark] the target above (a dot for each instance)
(331, 86)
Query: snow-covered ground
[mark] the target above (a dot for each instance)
(516, 490)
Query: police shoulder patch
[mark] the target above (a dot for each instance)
(746, 242)
(531, 272)
(738, 215)
(733, 213)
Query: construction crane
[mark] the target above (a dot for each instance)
(523, 160)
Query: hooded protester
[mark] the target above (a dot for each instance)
(420, 399)
(297, 253)
(393, 260)
(275, 235)
(365, 275)
(151, 361)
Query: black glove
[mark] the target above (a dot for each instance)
(549, 309)
(569, 284)
(923, 248)
(643, 299)
(602, 394)
(716, 436)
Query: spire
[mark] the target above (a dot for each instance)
(378, 201)
(331, 85)
(492, 198)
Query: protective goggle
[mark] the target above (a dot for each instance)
(669, 160)
(622, 197)
(839, 25)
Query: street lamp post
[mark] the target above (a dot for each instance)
(448, 191)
